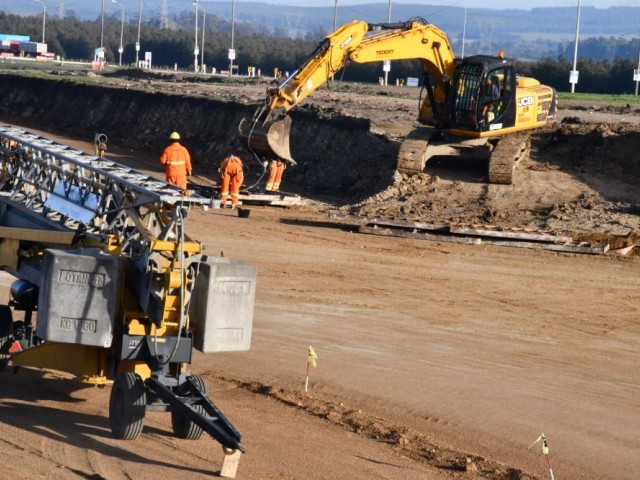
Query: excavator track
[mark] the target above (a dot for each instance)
(425, 143)
(509, 150)
(412, 156)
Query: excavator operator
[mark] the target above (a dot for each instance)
(492, 99)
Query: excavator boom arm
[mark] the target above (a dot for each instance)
(267, 133)
(329, 58)
(410, 40)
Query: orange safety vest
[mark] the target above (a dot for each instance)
(177, 162)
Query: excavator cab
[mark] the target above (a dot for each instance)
(483, 97)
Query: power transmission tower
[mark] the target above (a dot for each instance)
(164, 20)
(61, 15)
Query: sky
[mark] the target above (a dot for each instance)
(350, 8)
(499, 4)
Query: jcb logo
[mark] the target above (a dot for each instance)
(345, 42)
(525, 101)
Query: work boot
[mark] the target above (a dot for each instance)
(233, 207)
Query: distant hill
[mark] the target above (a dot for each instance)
(526, 34)
(297, 21)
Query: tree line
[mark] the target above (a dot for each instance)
(608, 70)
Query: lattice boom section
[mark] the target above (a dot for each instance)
(77, 189)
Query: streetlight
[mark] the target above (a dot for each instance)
(102, 27)
(232, 51)
(636, 74)
(44, 16)
(195, 43)
(386, 65)
(120, 49)
(138, 42)
(335, 21)
(204, 18)
(464, 27)
(573, 75)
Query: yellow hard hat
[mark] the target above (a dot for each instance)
(174, 136)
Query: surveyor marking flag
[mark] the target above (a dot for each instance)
(545, 446)
(545, 452)
(313, 358)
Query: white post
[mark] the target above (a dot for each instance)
(573, 78)
(44, 17)
(637, 79)
(121, 48)
(138, 42)
(195, 44)
(464, 27)
(335, 21)
(386, 70)
(233, 22)
(204, 18)
(102, 27)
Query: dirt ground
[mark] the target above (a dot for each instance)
(435, 360)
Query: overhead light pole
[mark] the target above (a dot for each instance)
(573, 75)
(204, 19)
(102, 27)
(138, 42)
(44, 17)
(636, 74)
(386, 65)
(464, 27)
(195, 43)
(335, 20)
(120, 48)
(232, 50)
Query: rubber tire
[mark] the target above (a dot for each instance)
(127, 406)
(6, 335)
(182, 426)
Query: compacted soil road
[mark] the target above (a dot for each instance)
(474, 349)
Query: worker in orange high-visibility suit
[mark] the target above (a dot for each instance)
(276, 169)
(231, 178)
(177, 162)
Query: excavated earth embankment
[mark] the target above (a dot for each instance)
(423, 347)
(337, 155)
(581, 176)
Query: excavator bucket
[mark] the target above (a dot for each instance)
(269, 139)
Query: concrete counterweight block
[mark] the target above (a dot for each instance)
(79, 292)
(222, 305)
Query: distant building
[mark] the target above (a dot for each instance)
(14, 38)
(21, 45)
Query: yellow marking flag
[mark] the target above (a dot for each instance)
(545, 446)
(313, 358)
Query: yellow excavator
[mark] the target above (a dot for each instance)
(470, 106)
